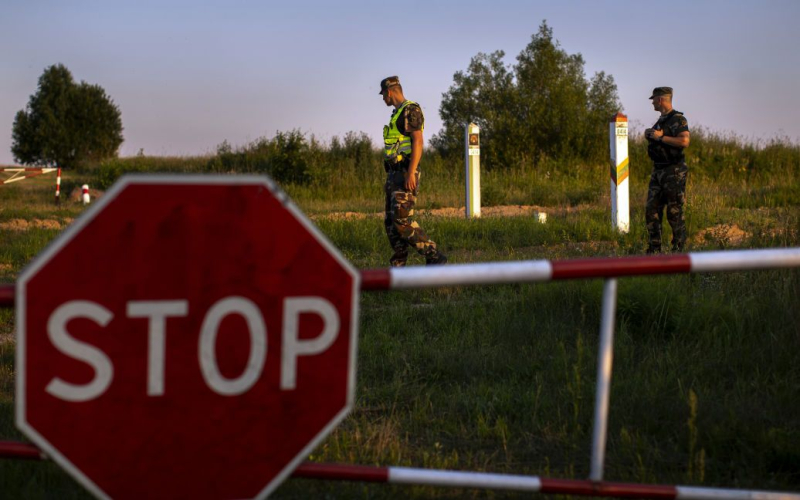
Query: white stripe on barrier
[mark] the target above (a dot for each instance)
(470, 274)
(744, 260)
(455, 479)
(695, 493)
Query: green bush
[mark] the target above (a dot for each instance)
(347, 173)
(107, 172)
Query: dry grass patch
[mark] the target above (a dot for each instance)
(726, 234)
(25, 225)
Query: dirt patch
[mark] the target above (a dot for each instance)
(727, 234)
(5, 267)
(25, 224)
(345, 216)
(506, 211)
(496, 211)
(459, 212)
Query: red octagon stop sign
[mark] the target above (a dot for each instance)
(187, 337)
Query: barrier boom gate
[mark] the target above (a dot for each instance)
(527, 272)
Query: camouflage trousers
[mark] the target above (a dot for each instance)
(667, 188)
(400, 228)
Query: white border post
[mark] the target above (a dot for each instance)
(620, 203)
(605, 356)
(472, 160)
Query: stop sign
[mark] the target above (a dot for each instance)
(187, 337)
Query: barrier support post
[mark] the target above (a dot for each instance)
(472, 159)
(58, 186)
(605, 356)
(620, 202)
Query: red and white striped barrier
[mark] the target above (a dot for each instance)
(493, 273)
(6, 295)
(22, 173)
(534, 484)
(536, 271)
(13, 449)
(483, 480)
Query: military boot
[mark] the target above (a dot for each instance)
(399, 258)
(436, 260)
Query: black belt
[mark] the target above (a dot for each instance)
(397, 166)
(660, 166)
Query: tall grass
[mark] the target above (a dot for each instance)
(346, 174)
(501, 378)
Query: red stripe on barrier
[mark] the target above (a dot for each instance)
(342, 472)
(9, 449)
(6, 295)
(603, 489)
(621, 266)
(375, 279)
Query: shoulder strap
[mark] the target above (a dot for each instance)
(401, 108)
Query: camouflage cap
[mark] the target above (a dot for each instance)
(659, 91)
(389, 81)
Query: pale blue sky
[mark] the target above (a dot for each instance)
(189, 74)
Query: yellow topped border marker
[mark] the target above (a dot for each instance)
(620, 201)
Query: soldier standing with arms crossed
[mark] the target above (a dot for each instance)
(402, 142)
(665, 144)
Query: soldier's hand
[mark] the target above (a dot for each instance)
(411, 181)
(656, 135)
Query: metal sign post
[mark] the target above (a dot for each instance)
(620, 203)
(472, 159)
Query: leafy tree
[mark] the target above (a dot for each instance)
(542, 107)
(65, 123)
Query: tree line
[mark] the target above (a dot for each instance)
(542, 107)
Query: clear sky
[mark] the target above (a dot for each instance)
(187, 75)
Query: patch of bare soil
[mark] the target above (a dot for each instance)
(4, 267)
(25, 224)
(345, 216)
(727, 234)
(453, 212)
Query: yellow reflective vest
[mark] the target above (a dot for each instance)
(395, 144)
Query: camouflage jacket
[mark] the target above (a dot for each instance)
(673, 123)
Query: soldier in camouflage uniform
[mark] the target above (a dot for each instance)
(402, 140)
(665, 144)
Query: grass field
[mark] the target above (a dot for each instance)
(706, 387)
